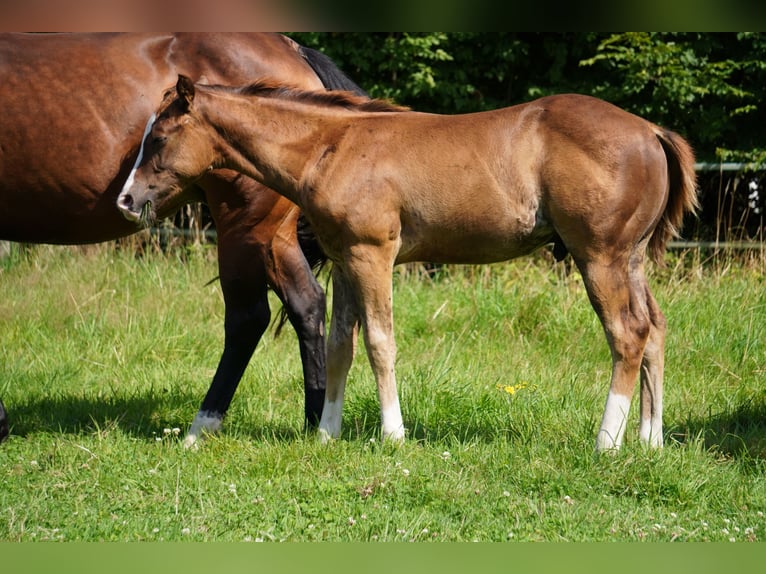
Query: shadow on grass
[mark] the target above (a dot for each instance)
(739, 432)
(143, 416)
(465, 419)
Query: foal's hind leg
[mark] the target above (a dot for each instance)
(616, 292)
(652, 371)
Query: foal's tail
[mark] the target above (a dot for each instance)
(682, 197)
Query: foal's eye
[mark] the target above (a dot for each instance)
(159, 140)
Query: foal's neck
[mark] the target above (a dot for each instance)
(269, 140)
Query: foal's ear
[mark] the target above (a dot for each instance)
(185, 89)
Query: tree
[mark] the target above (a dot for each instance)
(707, 86)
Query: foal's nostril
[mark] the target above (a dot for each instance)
(126, 201)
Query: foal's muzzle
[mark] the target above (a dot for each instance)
(132, 212)
(126, 205)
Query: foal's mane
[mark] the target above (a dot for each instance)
(269, 88)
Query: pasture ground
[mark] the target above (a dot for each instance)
(503, 371)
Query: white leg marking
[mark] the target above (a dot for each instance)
(392, 425)
(329, 425)
(206, 422)
(613, 424)
(650, 430)
(132, 175)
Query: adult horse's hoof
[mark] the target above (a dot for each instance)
(191, 442)
(204, 423)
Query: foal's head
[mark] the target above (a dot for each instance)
(177, 150)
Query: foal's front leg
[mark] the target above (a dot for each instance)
(341, 345)
(370, 271)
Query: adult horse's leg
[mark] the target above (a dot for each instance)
(3, 422)
(246, 318)
(341, 346)
(615, 290)
(257, 248)
(290, 276)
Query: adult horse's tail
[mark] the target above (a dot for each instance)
(328, 72)
(682, 196)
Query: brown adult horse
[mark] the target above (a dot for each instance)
(74, 111)
(382, 186)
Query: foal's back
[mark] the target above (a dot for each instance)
(491, 186)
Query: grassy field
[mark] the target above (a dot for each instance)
(503, 372)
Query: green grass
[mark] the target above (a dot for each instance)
(503, 372)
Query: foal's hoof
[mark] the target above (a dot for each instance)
(324, 436)
(394, 437)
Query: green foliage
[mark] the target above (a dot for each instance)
(707, 86)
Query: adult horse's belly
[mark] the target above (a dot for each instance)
(70, 126)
